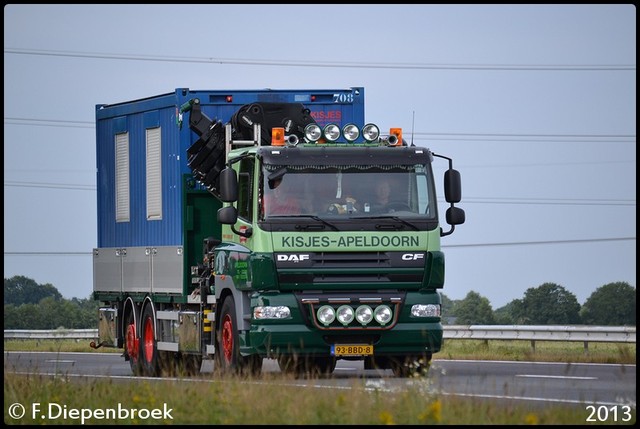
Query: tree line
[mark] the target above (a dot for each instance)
(613, 304)
(29, 305)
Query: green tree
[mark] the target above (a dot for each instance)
(447, 309)
(23, 290)
(23, 316)
(613, 304)
(548, 304)
(505, 315)
(51, 311)
(474, 310)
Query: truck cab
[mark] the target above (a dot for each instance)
(334, 273)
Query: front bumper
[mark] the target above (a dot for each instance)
(301, 334)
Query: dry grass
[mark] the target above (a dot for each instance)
(273, 400)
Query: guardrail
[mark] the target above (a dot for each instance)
(49, 334)
(533, 333)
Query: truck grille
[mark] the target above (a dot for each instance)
(371, 270)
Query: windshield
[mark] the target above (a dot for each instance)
(355, 191)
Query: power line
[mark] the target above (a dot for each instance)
(527, 243)
(315, 63)
(550, 201)
(76, 187)
(469, 200)
(515, 243)
(47, 253)
(49, 123)
(417, 135)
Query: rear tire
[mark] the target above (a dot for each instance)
(131, 344)
(148, 344)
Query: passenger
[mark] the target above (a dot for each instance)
(279, 200)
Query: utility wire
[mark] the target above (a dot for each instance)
(417, 135)
(47, 253)
(76, 187)
(315, 63)
(469, 200)
(515, 243)
(527, 243)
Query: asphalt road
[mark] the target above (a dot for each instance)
(538, 384)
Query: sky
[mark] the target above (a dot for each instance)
(535, 104)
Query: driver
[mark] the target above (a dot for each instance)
(382, 195)
(279, 200)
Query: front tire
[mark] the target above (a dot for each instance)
(227, 357)
(411, 366)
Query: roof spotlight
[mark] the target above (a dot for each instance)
(331, 132)
(370, 132)
(312, 132)
(351, 132)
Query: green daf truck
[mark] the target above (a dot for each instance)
(240, 226)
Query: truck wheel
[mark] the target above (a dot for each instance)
(148, 344)
(228, 354)
(411, 366)
(324, 365)
(132, 345)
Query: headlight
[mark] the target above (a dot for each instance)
(345, 314)
(364, 314)
(350, 132)
(331, 132)
(268, 312)
(370, 132)
(326, 315)
(382, 314)
(425, 310)
(313, 132)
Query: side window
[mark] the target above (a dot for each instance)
(123, 203)
(154, 173)
(245, 189)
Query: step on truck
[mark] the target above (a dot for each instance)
(247, 225)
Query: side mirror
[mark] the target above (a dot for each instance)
(455, 216)
(228, 186)
(228, 215)
(452, 186)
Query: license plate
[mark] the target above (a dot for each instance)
(351, 350)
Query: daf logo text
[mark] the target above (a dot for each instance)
(293, 258)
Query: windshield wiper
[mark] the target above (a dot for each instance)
(314, 217)
(382, 226)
